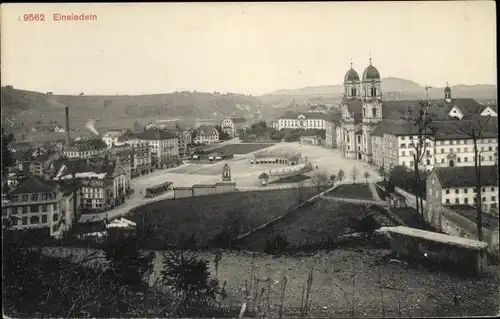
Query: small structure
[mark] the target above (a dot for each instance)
(158, 189)
(461, 254)
(396, 200)
(310, 139)
(226, 173)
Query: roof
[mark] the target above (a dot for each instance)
(203, 185)
(436, 237)
(465, 176)
(371, 73)
(226, 183)
(154, 135)
(351, 75)
(35, 184)
(395, 127)
(66, 187)
(127, 136)
(113, 133)
(205, 130)
(239, 120)
(463, 129)
(87, 145)
(470, 212)
(307, 115)
(89, 228)
(183, 188)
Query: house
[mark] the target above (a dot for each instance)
(84, 148)
(275, 125)
(111, 137)
(206, 134)
(456, 185)
(163, 145)
(234, 126)
(142, 158)
(330, 134)
(102, 187)
(122, 156)
(38, 203)
(302, 121)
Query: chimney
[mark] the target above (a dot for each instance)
(66, 123)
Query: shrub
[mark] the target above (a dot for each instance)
(276, 245)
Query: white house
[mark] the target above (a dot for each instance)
(303, 121)
(206, 134)
(111, 137)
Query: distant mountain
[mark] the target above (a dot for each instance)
(392, 87)
(122, 110)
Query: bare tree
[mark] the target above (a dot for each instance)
(340, 175)
(366, 175)
(422, 129)
(354, 174)
(477, 127)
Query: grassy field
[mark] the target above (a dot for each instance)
(205, 216)
(241, 148)
(361, 191)
(291, 179)
(312, 224)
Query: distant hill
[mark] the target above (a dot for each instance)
(122, 110)
(392, 88)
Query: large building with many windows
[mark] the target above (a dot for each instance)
(306, 121)
(372, 130)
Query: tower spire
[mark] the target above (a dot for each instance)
(351, 63)
(370, 58)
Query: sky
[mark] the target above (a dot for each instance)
(250, 48)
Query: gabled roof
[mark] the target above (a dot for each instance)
(239, 120)
(465, 176)
(205, 130)
(87, 145)
(35, 184)
(307, 115)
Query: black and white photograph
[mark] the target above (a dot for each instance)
(250, 160)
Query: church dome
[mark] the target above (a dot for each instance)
(371, 73)
(351, 75)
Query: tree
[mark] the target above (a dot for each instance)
(320, 179)
(264, 178)
(333, 178)
(189, 277)
(7, 157)
(340, 175)
(354, 174)
(422, 129)
(222, 134)
(478, 127)
(366, 175)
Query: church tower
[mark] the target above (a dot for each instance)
(226, 173)
(372, 108)
(447, 93)
(352, 87)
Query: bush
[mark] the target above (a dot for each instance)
(276, 245)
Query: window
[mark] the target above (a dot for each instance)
(492, 189)
(451, 142)
(458, 159)
(44, 219)
(54, 206)
(482, 148)
(25, 210)
(403, 146)
(474, 190)
(34, 220)
(466, 200)
(44, 208)
(55, 217)
(403, 153)
(403, 138)
(440, 142)
(403, 163)
(442, 150)
(483, 199)
(483, 190)
(466, 149)
(458, 150)
(447, 201)
(428, 162)
(442, 161)
(34, 197)
(24, 220)
(25, 198)
(447, 191)
(457, 200)
(34, 208)
(490, 148)
(465, 159)
(493, 198)
(490, 158)
(466, 191)
(456, 191)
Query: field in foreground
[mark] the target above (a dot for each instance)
(361, 191)
(206, 216)
(241, 148)
(418, 292)
(312, 224)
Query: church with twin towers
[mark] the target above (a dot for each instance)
(371, 129)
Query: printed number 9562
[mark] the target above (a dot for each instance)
(34, 17)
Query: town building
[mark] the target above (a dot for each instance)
(102, 187)
(111, 137)
(234, 126)
(363, 111)
(457, 186)
(306, 121)
(39, 203)
(330, 134)
(85, 148)
(206, 134)
(164, 147)
(122, 156)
